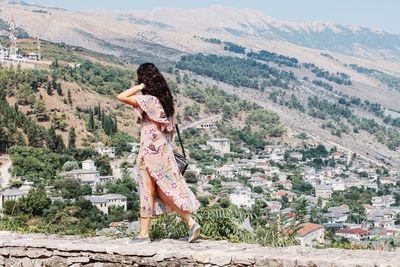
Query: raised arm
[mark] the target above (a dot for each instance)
(126, 96)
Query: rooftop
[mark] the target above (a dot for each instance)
(308, 228)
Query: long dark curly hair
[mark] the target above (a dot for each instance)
(156, 85)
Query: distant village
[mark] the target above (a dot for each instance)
(270, 185)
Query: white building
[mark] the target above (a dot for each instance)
(222, 145)
(310, 233)
(296, 155)
(104, 202)
(88, 174)
(383, 201)
(338, 185)
(226, 171)
(12, 194)
(242, 198)
(323, 191)
(106, 150)
(135, 147)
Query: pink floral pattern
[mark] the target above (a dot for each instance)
(155, 158)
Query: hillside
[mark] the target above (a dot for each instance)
(299, 75)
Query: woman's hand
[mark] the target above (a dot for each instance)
(142, 86)
(126, 95)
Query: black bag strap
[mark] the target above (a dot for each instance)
(180, 140)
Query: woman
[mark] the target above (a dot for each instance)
(162, 188)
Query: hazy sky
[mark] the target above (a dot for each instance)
(382, 14)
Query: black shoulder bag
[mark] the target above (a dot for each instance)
(181, 159)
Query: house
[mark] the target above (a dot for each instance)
(296, 155)
(277, 156)
(323, 191)
(269, 149)
(383, 201)
(336, 155)
(352, 181)
(381, 218)
(338, 214)
(274, 206)
(271, 170)
(257, 179)
(104, 202)
(231, 185)
(226, 171)
(372, 184)
(242, 197)
(106, 150)
(310, 233)
(282, 193)
(12, 194)
(354, 233)
(337, 185)
(222, 145)
(388, 180)
(88, 175)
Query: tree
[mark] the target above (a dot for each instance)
(40, 110)
(91, 121)
(51, 139)
(300, 208)
(71, 138)
(121, 141)
(190, 177)
(49, 88)
(36, 201)
(258, 190)
(69, 97)
(59, 89)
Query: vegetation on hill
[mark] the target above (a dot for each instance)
(339, 77)
(273, 57)
(93, 75)
(389, 80)
(241, 72)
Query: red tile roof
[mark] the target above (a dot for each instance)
(308, 228)
(354, 231)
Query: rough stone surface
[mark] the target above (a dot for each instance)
(51, 250)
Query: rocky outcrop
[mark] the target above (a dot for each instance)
(51, 250)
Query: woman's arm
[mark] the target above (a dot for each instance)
(126, 96)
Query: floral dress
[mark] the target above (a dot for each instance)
(156, 160)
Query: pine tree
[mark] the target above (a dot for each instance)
(71, 138)
(102, 118)
(115, 124)
(60, 147)
(51, 139)
(69, 97)
(98, 112)
(49, 88)
(58, 88)
(91, 120)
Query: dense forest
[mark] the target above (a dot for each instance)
(241, 72)
(273, 57)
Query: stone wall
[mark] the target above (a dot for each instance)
(51, 250)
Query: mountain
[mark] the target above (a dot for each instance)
(339, 84)
(244, 23)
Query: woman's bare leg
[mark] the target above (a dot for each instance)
(183, 213)
(146, 221)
